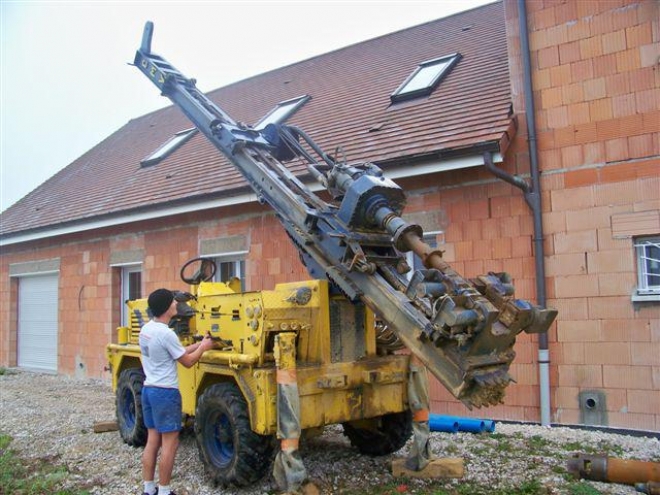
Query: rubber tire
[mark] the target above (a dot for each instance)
(128, 401)
(390, 433)
(231, 452)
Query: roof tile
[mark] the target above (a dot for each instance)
(350, 107)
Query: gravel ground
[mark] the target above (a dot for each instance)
(51, 418)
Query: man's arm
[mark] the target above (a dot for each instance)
(194, 352)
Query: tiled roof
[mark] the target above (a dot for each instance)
(350, 107)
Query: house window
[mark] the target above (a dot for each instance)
(168, 148)
(425, 78)
(647, 251)
(131, 288)
(229, 265)
(282, 111)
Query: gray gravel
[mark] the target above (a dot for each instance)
(51, 417)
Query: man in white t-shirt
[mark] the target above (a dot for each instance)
(161, 399)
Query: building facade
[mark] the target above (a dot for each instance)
(94, 235)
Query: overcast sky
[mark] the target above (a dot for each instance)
(65, 83)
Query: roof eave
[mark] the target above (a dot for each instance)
(411, 166)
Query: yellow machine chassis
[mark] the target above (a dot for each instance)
(329, 394)
(333, 387)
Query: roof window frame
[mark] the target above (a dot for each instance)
(446, 63)
(282, 111)
(169, 147)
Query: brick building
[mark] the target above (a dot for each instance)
(122, 219)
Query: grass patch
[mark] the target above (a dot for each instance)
(603, 447)
(528, 487)
(538, 443)
(579, 447)
(582, 489)
(407, 487)
(559, 470)
(504, 445)
(611, 449)
(400, 486)
(30, 476)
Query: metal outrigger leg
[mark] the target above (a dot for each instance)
(418, 397)
(288, 469)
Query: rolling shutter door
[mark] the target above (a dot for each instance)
(37, 322)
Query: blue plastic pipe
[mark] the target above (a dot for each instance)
(438, 422)
(441, 422)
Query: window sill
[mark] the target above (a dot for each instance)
(645, 297)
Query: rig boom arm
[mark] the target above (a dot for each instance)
(463, 331)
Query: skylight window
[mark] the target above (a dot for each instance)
(282, 111)
(425, 78)
(166, 149)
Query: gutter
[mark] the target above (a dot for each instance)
(532, 194)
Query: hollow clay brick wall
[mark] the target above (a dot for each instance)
(89, 304)
(596, 80)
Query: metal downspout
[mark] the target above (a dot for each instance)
(532, 195)
(535, 200)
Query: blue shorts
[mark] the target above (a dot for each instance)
(161, 409)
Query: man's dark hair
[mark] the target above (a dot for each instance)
(159, 301)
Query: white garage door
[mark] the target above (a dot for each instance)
(37, 322)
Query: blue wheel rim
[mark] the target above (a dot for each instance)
(219, 440)
(128, 408)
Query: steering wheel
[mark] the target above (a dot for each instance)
(204, 273)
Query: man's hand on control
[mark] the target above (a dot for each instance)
(207, 342)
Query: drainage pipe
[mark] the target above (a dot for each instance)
(452, 424)
(532, 194)
(534, 199)
(438, 422)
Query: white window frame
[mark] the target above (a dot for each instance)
(166, 149)
(126, 271)
(282, 111)
(647, 252)
(233, 262)
(425, 78)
